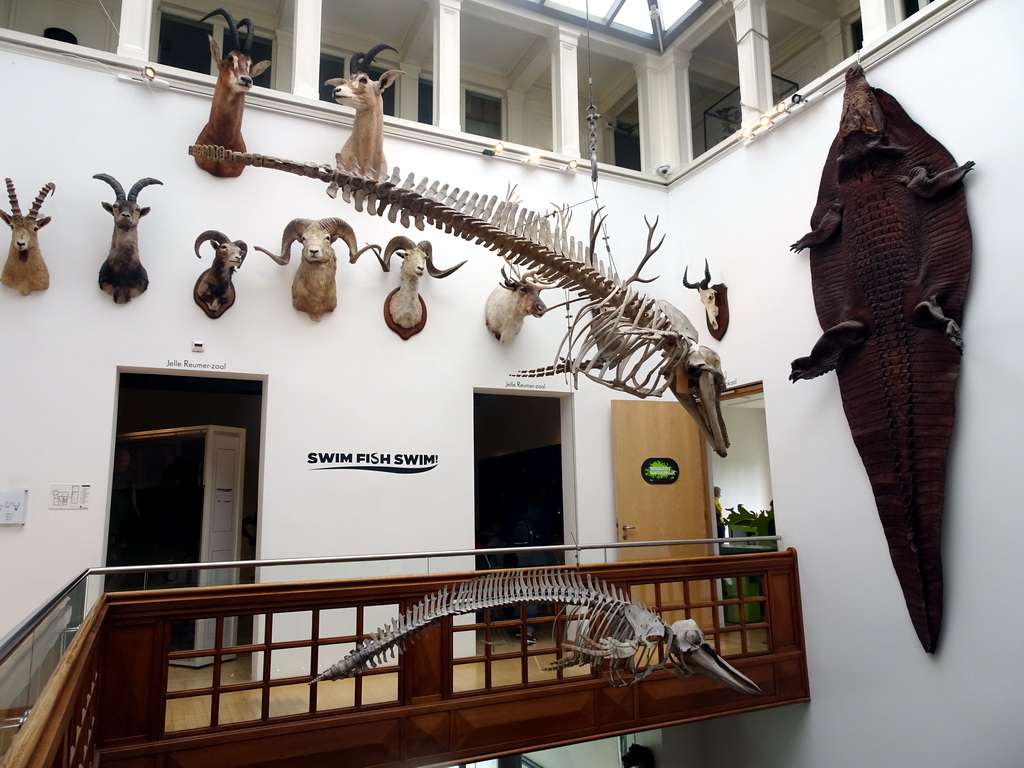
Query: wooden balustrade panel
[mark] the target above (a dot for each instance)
(472, 688)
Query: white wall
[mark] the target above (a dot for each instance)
(345, 383)
(878, 699)
(744, 475)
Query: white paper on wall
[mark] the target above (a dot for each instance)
(13, 503)
(66, 496)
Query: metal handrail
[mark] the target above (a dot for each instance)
(15, 637)
(416, 555)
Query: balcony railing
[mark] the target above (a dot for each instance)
(222, 672)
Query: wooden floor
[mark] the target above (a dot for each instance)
(243, 706)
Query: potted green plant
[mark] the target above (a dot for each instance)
(760, 523)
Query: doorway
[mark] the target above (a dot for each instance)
(151, 403)
(520, 459)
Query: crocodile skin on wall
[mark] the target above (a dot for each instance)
(890, 254)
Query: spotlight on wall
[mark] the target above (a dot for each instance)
(497, 149)
(768, 120)
(146, 76)
(572, 165)
(533, 158)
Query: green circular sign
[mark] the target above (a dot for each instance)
(659, 471)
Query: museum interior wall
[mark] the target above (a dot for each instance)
(348, 384)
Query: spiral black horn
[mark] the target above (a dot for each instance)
(250, 34)
(232, 27)
(361, 61)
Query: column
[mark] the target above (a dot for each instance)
(134, 30)
(448, 65)
(662, 122)
(753, 58)
(408, 95)
(305, 54)
(679, 85)
(832, 37)
(565, 100)
(878, 16)
(515, 104)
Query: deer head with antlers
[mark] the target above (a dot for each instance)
(516, 298)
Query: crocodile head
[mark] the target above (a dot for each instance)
(862, 127)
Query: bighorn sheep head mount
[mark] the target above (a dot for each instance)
(122, 274)
(315, 289)
(715, 299)
(364, 149)
(405, 312)
(234, 79)
(214, 291)
(25, 270)
(516, 298)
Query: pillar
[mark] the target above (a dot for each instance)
(305, 54)
(877, 17)
(135, 29)
(448, 65)
(565, 100)
(753, 58)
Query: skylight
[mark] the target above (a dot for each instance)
(630, 18)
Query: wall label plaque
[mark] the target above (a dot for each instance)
(661, 471)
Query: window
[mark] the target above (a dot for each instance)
(483, 115)
(330, 67)
(184, 43)
(425, 108)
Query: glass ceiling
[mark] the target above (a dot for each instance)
(652, 21)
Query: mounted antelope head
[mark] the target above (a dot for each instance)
(364, 149)
(122, 274)
(234, 79)
(714, 299)
(214, 291)
(512, 301)
(405, 312)
(25, 270)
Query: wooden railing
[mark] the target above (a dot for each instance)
(142, 688)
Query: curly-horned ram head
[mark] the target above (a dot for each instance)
(315, 289)
(25, 270)
(214, 292)
(405, 312)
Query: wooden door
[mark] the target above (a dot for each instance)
(654, 512)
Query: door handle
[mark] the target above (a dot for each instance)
(625, 531)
